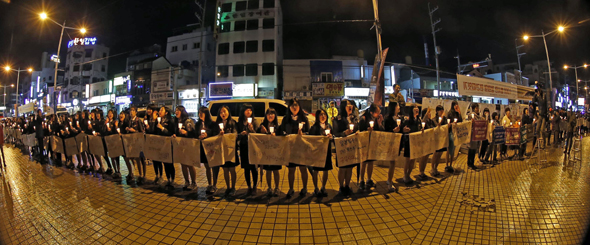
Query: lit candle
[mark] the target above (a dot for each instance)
(145, 121)
(398, 121)
(180, 126)
(93, 132)
(423, 124)
(455, 120)
(159, 119)
(107, 125)
(70, 123)
(272, 129)
(249, 120)
(300, 125)
(67, 128)
(78, 122)
(34, 127)
(351, 126)
(448, 121)
(88, 121)
(202, 131)
(371, 123)
(118, 130)
(472, 115)
(439, 119)
(327, 131)
(518, 123)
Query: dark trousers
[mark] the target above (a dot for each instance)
(484, 148)
(254, 179)
(522, 150)
(40, 153)
(569, 141)
(471, 157)
(170, 171)
(158, 168)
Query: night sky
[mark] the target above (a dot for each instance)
(474, 28)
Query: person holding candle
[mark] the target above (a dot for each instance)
(323, 128)
(507, 122)
(473, 145)
(226, 124)
(111, 129)
(166, 127)
(39, 134)
(484, 143)
(525, 122)
(99, 128)
(492, 149)
(185, 128)
(247, 124)
(207, 128)
(74, 131)
(295, 122)
(85, 124)
(150, 128)
(454, 116)
(427, 123)
(414, 124)
(371, 120)
(121, 127)
(136, 125)
(391, 124)
(269, 126)
(346, 123)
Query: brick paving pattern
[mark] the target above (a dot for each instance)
(514, 202)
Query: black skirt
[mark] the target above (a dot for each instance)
(272, 167)
(406, 148)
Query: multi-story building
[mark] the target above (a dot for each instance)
(139, 69)
(249, 48)
(42, 81)
(100, 95)
(185, 49)
(86, 63)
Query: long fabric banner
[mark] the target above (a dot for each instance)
(512, 136)
(308, 150)
(220, 149)
(352, 149)
(265, 149)
(57, 144)
(114, 145)
(158, 148)
(134, 143)
(384, 146)
(82, 142)
(441, 136)
(462, 133)
(96, 146)
(71, 146)
(480, 128)
(421, 143)
(186, 151)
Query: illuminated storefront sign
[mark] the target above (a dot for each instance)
(161, 96)
(122, 100)
(102, 99)
(189, 94)
(358, 92)
(243, 90)
(82, 41)
(191, 105)
(121, 80)
(220, 90)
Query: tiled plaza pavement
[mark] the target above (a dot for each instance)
(524, 202)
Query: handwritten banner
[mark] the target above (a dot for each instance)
(352, 149)
(134, 144)
(480, 129)
(265, 149)
(71, 146)
(499, 135)
(158, 148)
(462, 133)
(441, 137)
(512, 136)
(95, 145)
(421, 143)
(114, 145)
(187, 151)
(307, 150)
(384, 146)
(82, 142)
(57, 144)
(220, 149)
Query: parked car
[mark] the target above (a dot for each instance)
(260, 106)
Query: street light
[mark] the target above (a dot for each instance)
(7, 68)
(577, 80)
(543, 35)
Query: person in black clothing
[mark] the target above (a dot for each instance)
(473, 145)
(269, 126)
(39, 134)
(526, 120)
(150, 128)
(136, 125)
(323, 128)
(441, 120)
(485, 143)
(121, 127)
(342, 128)
(428, 124)
(391, 124)
(226, 124)
(414, 124)
(185, 127)
(455, 117)
(295, 122)
(247, 124)
(165, 127)
(111, 129)
(206, 128)
(370, 120)
(99, 128)
(540, 106)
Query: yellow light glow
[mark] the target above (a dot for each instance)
(7, 68)
(525, 37)
(11, 85)
(43, 16)
(83, 30)
(561, 28)
(564, 67)
(30, 69)
(585, 66)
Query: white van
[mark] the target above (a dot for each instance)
(259, 107)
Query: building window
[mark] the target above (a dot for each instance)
(196, 45)
(252, 46)
(88, 53)
(253, 4)
(103, 68)
(104, 91)
(238, 47)
(252, 24)
(104, 55)
(223, 48)
(174, 49)
(76, 67)
(251, 69)
(326, 77)
(268, 4)
(241, 5)
(131, 67)
(74, 94)
(226, 27)
(268, 23)
(226, 7)
(268, 45)
(222, 71)
(95, 93)
(238, 70)
(268, 69)
(184, 47)
(240, 25)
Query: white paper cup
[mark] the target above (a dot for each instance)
(221, 126)
(327, 131)
(271, 129)
(180, 126)
(300, 125)
(202, 131)
(371, 123)
(249, 120)
(351, 127)
(159, 119)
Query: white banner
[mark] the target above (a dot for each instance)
(133, 144)
(478, 86)
(82, 142)
(265, 149)
(441, 137)
(220, 149)
(71, 147)
(95, 145)
(57, 144)
(421, 143)
(384, 146)
(462, 133)
(114, 145)
(352, 149)
(187, 151)
(308, 150)
(432, 103)
(158, 148)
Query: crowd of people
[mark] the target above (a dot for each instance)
(162, 121)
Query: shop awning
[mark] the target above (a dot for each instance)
(477, 86)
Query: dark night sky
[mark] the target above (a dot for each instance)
(476, 28)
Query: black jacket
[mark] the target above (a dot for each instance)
(342, 124)
(38, 126)
(290, 126)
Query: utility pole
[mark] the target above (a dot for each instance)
(458, 62)
(380, 88)
(518, 55)
(201, 17)
(436, 51)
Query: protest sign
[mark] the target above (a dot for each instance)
(114, 145)
(384, 146)
(229, 150)
(462, 133)
(134, 143)
(57, 144)
(512, 136)
(187, 151)
(71, 146)
(352, 149)
(220, 149)
(308, 150)
(265, 149)
(82, 142)
(480, 129)
(95, 145)
(158, 148)
(421, 143)
(441, 137)
(499, 135)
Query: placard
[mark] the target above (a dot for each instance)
(441, 137)
(352, 149)
(114, 145)
(308, 150)
(57, 144)
(265, 149)
(523, 134)
(499, 135)
(384, 146)
(187, 151)
(512, 136)
(480, 129)
(82, 142)
(71, 146)
(421, 143)
(220, 149)
(158, 148)
(462, 133)
(134, 144)
(95, 145)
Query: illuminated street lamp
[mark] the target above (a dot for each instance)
(7, 68)
(12, 86)
(577, 80)
(543, 35)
